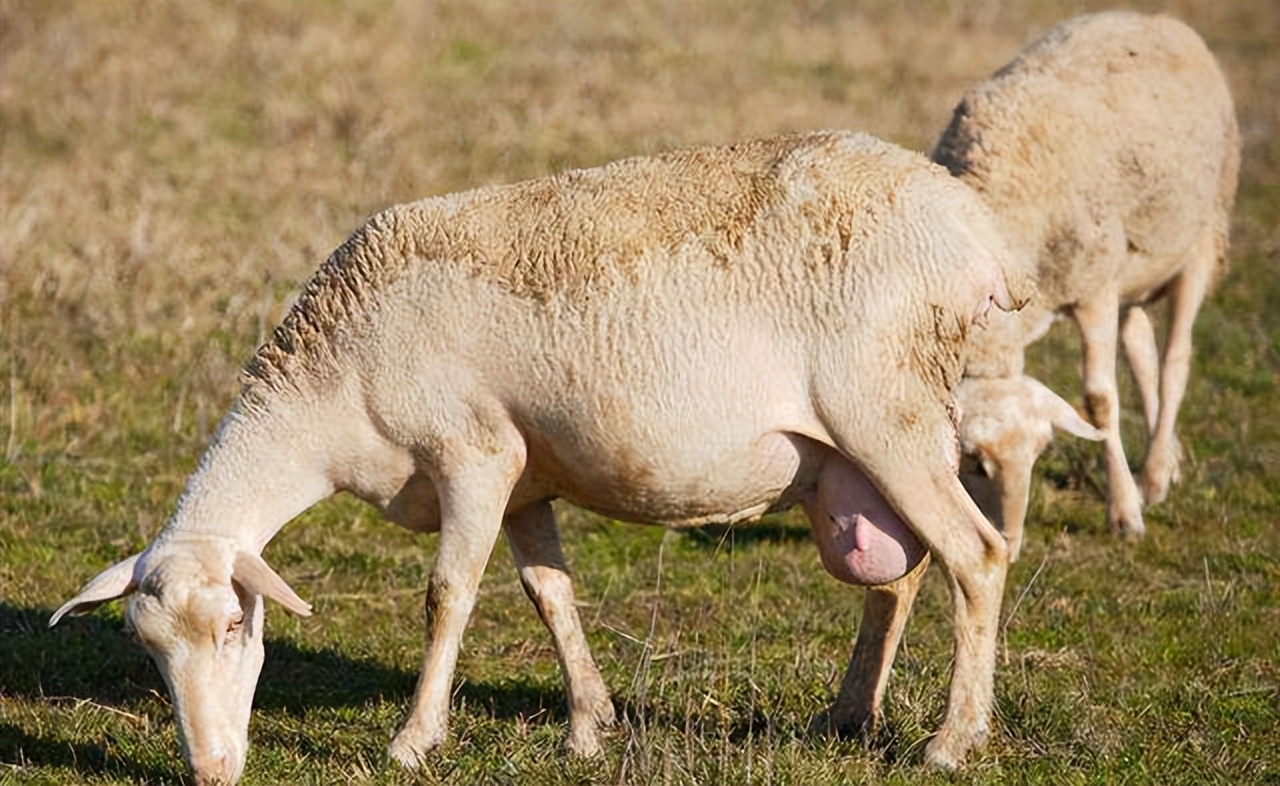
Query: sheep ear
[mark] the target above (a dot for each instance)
(112, 583)
(1062, 415)
(255, 575)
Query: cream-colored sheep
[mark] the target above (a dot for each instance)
(694, 337)
(1005, 424)
(1108, 151)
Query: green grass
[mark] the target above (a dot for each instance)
(170, 173)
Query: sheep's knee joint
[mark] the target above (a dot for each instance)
(1099, 406)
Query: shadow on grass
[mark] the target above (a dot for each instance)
(772, 531)
(295, 680)
(743, 724)
(20, 749)
(88, 657)
(92, 659)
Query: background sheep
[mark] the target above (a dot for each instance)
(697, 337)
(1109, 151)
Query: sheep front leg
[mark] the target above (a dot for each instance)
(1187, 294)
(1098, 321)
(472, 504)
(858, 705)
(535, 544)
(1014, 478)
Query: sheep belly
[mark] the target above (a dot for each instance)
(680, 483)
(860, 538)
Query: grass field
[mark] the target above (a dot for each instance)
(171, 172)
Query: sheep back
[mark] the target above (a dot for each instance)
(1115, 122)
(816, 232)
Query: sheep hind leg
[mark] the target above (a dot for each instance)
(473, 500)
(1138, 338)
(858, 707)
(535, 544)
(974, 556)
(910, 466)
(1164, 457)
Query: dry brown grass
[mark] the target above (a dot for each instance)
(173, 169)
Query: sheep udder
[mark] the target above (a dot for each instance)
(860, 538)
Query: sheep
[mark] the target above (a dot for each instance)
(700, 336)
(1108, 151)
(1005, 424)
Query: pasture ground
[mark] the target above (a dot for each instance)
(171, 172)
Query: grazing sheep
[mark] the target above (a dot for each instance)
(695, 337)
(1005, 424)
(1108, 151)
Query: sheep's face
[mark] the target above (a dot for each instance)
(206, 638)
(196, 606)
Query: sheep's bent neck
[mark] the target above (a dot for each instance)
(256, 475)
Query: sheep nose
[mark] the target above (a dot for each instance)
(217, 767)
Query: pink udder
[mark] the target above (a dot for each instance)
(860, 538)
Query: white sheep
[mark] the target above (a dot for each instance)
(1005, 424)
(695, 337)
(1108, 151)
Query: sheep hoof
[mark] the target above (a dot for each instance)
(939, 757)
(1157, 478)
(583, 741)
(410, 746)
(833, 722)
(1154, 490)
(947, 751)
(1127, 523)
(584, 738)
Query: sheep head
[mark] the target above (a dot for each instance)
(1005, 424)
(199, 614)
